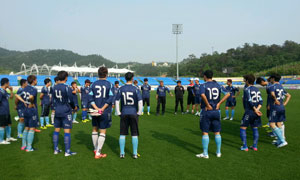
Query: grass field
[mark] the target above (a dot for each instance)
(167, 145)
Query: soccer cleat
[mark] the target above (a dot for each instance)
(253, 148)
(95, 152)
(20, 136)
(148, 113)
(30, 150)
(122, 156)
(282, 144)
(266, 126)
(75, 122)
(37, 130)
(43, 127)
(175, 113)
(231, 119)
(23, 148)
(225, 118)
(4, 142)
(135, 156)
(219, 155)
(99, 156)
(244, 149)
(142, 113)
(49, 125)
(70, 153)
(11, 139)
(87, 120)
(57, 151)
(138, 155)
(202, 156)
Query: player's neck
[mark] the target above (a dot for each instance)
(129, 82)
(208, 80)
(3, 87)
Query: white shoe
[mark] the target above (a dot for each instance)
(4, 142)
(219, 155)
(282, 144)
(11, 139)
(231, 119)
(75, 122)
(202, 156)
(70, 154)
(225, 118)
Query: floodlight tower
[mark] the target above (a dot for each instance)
(177, 29)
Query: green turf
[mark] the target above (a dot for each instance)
(167, 145)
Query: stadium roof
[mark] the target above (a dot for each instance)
(76, 69)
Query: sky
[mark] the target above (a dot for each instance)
(141, 30)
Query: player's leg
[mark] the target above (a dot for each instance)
(158, 105)
(163, 105)
(25, 133)
(52, 116)
(134, 127)
(33, 120)
(8, 130)
(42, 117)
(204, 126)
(181, 105)
(124, 125)
(176, 104)
(226, 112)
(21, 124)
(67, 125)
(243, 132)
(218, 140)
(148, 106)
(255, 138)
(144, 102)
(105, 123)
(232, 112)
(47, 116)
(2, 132)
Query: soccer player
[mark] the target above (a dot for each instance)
(231, 101)
(131, 108)
(268, 85)
(85, 100)
(101, 97)
(30, 114)
(191, 98)
(277, 109)
(52, 104)
(179, 92)
(20, 106)
(161, 97)
(252, 115)
(46, 103)
(197, 96)
(135, 82)
(115, 90)
(75, 90)
(63, 104)
(5, 120)
(210, 118)
(146, 89)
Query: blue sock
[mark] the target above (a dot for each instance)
(67, 140)
(255, 137)
(218, 140)
(205, 142)
(30, 138)
(55, 139)
(8, 131)
(24, 139)
(143, 109)
(232, 113)
(74, 116)
(90, 117)
(148, 109)
(227, 113)
(243, 136)
(278, 133)
(122, 144)
(47, 120)
(84, 113)
(41, 121)
(135, 144)
(20, 128)
(1, 134)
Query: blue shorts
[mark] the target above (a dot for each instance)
(63, 122)
(277, 116)
(197, 99)
(210, 121)
(231, 102)
(250, 118)
(30, 117)
(84, 104)
(102, 122)
(21, 112)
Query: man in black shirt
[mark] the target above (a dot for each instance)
(191, 97)
(179, 92)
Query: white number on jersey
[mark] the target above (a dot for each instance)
(279, 94)
(128, 100)
(213, 93)
(58, 95)
(99, 92)
(255, 96)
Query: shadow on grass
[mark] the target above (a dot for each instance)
(85, 139)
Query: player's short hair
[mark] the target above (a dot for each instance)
(129, 76)
(276, 77)
(47, 80)
(87, 81)
(161, 81)
(4, 81)
(73, 83)
(146, 80)
(62, 75)
(116, 82)
(56, 79)
(31, 78)
(135, 82)
(250, 78)
(178, 82)
(259, 80)
(229, 80)
(208, 73)
(102, 72)
(23, 81)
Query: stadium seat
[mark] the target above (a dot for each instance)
(167, 80)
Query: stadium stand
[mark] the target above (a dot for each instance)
(292, 82)
(167, 80)
(152, 81)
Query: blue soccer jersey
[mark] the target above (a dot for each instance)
(22, 94)
(47, 95)
(161, 91)
(196, 90)
(252, 98)
(4, 103)
(75, 98)
(129, 96)
(30, 91)
(101, 94)
(146, 89)
(212, 91)
(280, 95)
(62, 100)
(232, 90)
(269, 97)
(85, 93)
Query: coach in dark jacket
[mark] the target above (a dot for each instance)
(179, 92)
